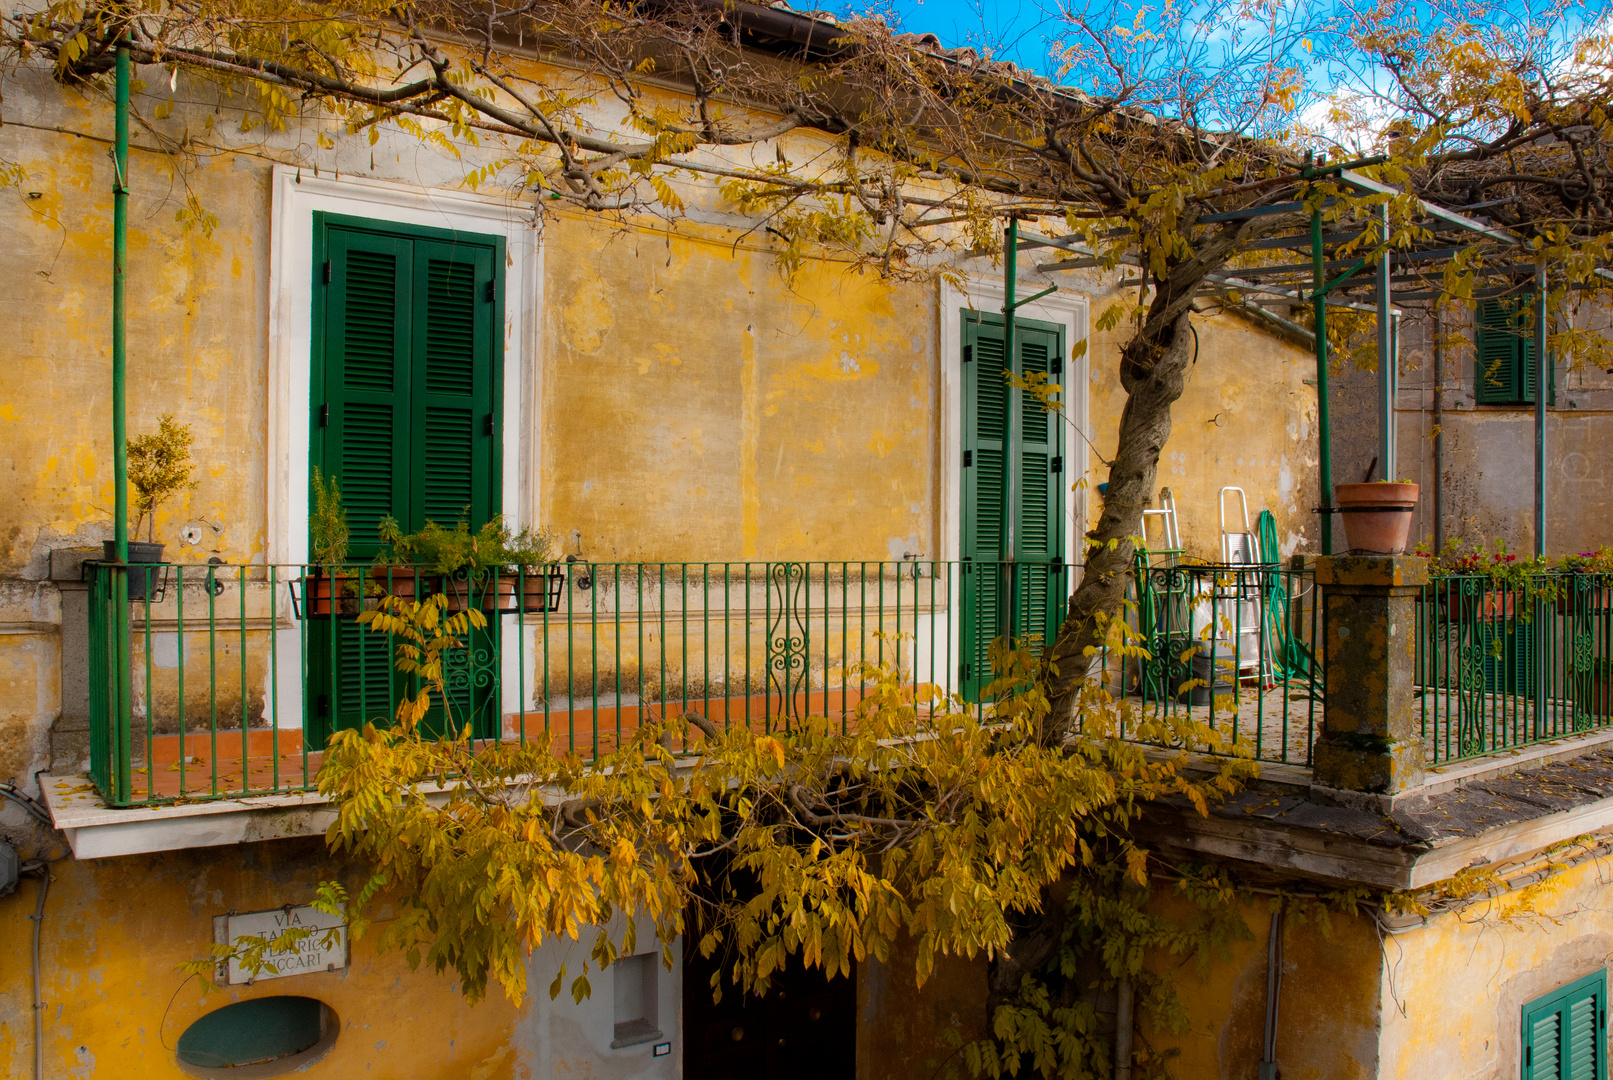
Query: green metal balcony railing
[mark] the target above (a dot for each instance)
(1228, 646)
(241, 673)
(1502, 665)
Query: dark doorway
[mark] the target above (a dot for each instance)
(805, 1028)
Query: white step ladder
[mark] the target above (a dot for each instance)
(1240, 546)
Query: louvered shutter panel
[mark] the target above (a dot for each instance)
(453, 448)
(1496, 347)
(367, 391)
(1040, 537)
(1565, 1032)
(364, 442)
(985, 420)
(1038, 518)
(1530, 368)
(1582, 1044)
(453, 385)
(1545, 1051)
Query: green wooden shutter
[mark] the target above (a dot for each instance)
(362, 417)
(454, 449)
(985, 420)
(1564, 1033)
(361, 440)
(453, 455)
(1530, 367)
(1039, 540)
(1496, 348)
(405, 397)
(1042, 581)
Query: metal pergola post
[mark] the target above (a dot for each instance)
(1009, 532)
(1388, 364)
(1324, 438)
(1542, 380)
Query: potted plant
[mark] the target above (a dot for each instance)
(516, 563)
(1591, 578)
(432, 552)
(159, 469)
(491, 569)
(1484, 581)
(1377, 516)
(328, 536)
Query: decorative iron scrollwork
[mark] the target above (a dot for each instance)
(788, 679)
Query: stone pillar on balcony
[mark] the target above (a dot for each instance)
(1371, 741)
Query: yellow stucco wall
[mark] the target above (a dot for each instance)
(699, 406)
(1459, 984)
(116, 930)
(1329, 1004)
(197, 342)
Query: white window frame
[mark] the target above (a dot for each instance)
(1063, 308)
(297, 193)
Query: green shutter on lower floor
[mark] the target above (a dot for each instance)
(1565, 1032)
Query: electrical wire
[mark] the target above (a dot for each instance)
(27, 802)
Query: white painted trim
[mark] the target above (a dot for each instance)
(295, 195)
(1064, 308)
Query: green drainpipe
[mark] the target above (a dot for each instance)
(123, 689)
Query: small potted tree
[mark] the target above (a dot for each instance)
(159, 469)
(328, 536)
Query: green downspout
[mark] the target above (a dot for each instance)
(1324, 439)
(123, 691)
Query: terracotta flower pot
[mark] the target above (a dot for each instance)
(1377, 517)
(321, 586)
(394, 580)
(536, 591)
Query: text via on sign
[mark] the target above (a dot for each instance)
(280, 942)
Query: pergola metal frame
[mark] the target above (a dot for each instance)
(1305, 282)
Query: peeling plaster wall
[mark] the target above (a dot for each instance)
(1459, 984)
(1488, 452)
(696, 406)
(1246, 418)
(1329, 1006)
(116, 930)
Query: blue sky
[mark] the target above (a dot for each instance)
(1017, 30)
(1022, 30)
